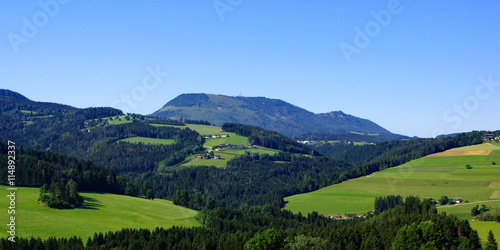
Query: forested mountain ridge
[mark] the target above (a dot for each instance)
(87, 134)
(272, 114)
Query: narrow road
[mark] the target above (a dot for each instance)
(475, 202)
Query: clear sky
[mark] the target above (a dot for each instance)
(418, 68)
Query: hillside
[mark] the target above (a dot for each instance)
(433, 176)
(272, 114)
(100, 213)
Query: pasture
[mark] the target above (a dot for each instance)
(483, 228)
(117, 120)
(226, 155)
(100, 213)
(428, 177)
(462, 211)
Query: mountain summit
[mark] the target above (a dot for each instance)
(273, 114)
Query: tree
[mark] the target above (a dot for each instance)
(483, 209)
(425, 235)
(475, 211)
(132, 189)
(150, 194)
(492, 243)
(181, 198)
(468, 166)
(268, 239)
(305, 242)
(74, 198)
(444, 200)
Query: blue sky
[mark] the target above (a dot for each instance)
(418, 68)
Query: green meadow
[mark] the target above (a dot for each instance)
(226, 155)
(100, 213)
(147, 140)
(428, 177)
(484, 227)
(462, 211)
(117, 120)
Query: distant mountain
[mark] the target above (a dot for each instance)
(272, 114)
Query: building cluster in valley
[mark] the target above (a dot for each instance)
(215, 136)
(215, 157)
(491, 137)
(349, 216)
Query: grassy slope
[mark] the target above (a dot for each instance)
(103, 212)
(426, 177)
(483, 227)
(228, 153)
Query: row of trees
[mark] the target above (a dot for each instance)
(47, 168)
(60, 177)
(411, 225)
(385, 203)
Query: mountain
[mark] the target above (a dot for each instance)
(273, 114)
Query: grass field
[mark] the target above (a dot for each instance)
(484, 227)
(426, 177)
(101, 213)
(462, 211)
(119, 120)
(147, 140)
(226, 155)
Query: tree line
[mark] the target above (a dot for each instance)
(60, 177)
